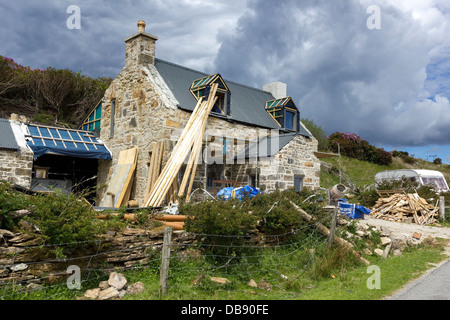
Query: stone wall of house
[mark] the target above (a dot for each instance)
(295, 159)
(16, 166)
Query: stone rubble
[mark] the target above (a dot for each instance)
(114, 288)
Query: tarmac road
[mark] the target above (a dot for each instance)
(434, 285)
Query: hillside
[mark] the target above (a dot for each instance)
(361, 173)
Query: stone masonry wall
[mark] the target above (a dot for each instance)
(16, 166)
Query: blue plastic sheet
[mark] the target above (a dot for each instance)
(353, 211)
(237, 193)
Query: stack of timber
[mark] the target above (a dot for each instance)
(189, 144)
(405, 207)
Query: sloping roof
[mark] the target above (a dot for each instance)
(247, 103)
(7, 138)
(267, 146)
(67, 142)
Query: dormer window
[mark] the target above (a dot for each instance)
(285, 113)
(201, 88)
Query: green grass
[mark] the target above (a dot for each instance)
(395, 272)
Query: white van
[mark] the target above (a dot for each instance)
(431, 178)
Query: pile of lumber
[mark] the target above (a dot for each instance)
(188, 145)
(405, 207)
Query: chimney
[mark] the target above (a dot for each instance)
(140, 47)
(277, 89)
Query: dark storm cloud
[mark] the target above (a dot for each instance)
(341, 74)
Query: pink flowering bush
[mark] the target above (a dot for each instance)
(353, 146)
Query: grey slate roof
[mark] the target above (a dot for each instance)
(267, 147)
(7, 138)
(247, 103)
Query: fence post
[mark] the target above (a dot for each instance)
(333, 226)
(165, 260)
(442, 207)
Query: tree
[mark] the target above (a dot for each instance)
(318, 133)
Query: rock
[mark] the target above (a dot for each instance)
(252, 283)
(92, 293)
(34, 287)
(264, 285)
(6, 233)
(386, 251)
(220, 280)
(379, 252)
(360, 233)
(117, 280)
(135, 288)
(368, 252)
(103, 285)
(18, 267)
(109, 293)
(385, 241)
(397, 252)
(122, 293)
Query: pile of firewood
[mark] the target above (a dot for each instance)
(406, 207)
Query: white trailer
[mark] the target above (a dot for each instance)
(423, 177)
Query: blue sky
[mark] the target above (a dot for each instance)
(390, 85)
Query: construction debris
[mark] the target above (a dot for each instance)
(409, 207)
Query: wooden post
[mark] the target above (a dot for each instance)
(442, 207)
(333, 226)
(165, 260)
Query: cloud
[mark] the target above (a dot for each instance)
(343, 75)
(35, 32)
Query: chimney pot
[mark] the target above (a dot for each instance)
(141, 26)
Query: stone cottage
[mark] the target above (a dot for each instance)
(253, 136)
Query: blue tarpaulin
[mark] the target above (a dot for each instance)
(66, 142)
(237, 193)
(353, 211)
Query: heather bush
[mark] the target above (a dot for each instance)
(353, 146)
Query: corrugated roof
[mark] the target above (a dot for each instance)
(247, 103)
(7, 138)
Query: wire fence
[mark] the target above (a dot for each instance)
(275, 261)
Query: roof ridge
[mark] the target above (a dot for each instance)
(206, 74)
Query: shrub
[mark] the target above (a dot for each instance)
(10, 201)
(353, 146)
(64, 218)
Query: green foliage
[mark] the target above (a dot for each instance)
(225, 221)
(352, 145)
(404, 155)
(10, 201)
(318, 133)
(64, 218)
(63, 95)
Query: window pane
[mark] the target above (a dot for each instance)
(289, 121)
